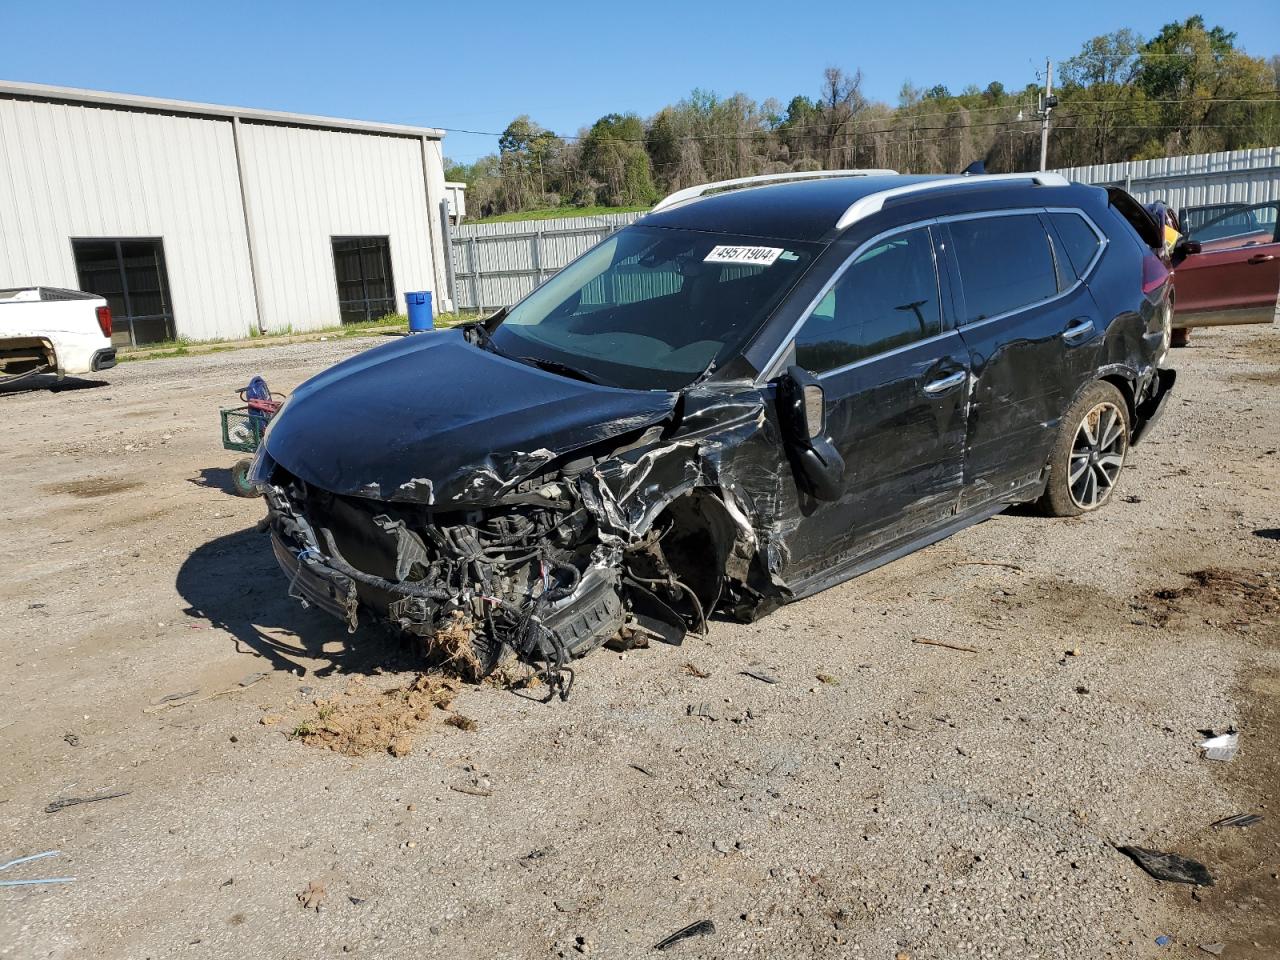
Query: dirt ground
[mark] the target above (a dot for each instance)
(884, 798)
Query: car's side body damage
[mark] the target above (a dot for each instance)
(492, 507)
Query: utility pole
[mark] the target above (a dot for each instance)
(1047, 103)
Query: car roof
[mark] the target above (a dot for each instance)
(804, 210)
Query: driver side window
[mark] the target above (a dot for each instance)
(887, 298)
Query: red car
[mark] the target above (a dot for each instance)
(1231, 270)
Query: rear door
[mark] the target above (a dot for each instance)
(895, 378)
(1236, 276)
(1021, 332)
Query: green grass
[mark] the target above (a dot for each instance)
(184, 347)
(555, 213)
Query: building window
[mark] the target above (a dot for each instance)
(363, 269)
(131, 275)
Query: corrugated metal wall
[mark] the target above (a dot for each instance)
(496, 264)
(1238, 176)
(306, 186)
(81, 171)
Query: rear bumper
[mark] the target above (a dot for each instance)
(103, 359)
(1152, 407)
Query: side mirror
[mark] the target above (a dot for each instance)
(803, 408)
(1185, 249)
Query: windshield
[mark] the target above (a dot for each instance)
(651, 308)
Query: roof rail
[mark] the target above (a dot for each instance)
(692, 193)
(874, 203)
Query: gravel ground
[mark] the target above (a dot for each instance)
(884, 798)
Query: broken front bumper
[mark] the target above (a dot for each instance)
(317, 584)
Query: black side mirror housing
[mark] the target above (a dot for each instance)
(1186, 248)
(802, 406)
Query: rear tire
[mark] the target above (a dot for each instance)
(1180, 337)
(1089, 454)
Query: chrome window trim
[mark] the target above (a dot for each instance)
(887, 353)
(770, 369)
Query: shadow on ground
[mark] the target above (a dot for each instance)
(215, 478)
(47, 383)
(235, 584)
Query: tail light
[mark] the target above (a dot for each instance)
(1154, 273)
(104, 321)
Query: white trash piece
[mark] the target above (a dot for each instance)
(1222, 747)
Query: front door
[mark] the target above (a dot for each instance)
(1236, 276)
(1019, 333)
(896, 386)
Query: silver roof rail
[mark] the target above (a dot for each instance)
(692, 193)
(874, 202)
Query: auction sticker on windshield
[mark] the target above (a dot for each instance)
(762, 256)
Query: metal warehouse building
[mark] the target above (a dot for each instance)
(210, 222)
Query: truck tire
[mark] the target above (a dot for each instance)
(1089, 453)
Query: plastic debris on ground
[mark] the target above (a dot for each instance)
(33, 882)
(1169, 866)
(1214, 948)
(702, 928)
(1222, 747)
(1239, 820)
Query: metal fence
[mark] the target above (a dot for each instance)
(495, 264)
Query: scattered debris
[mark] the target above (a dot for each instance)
(461, 722)
(360, 721)
(1169, 866)
(1214, 948)
(28, 859)
(1073, 652)
(472, 791)
(987, 563)
(704, 710)
(693, 670)
(762, 675)
(313, 896)
(1253, 596)
(175, 697)
(253, 678)
(703, 928)
(646, 772)
(1162, 941)
(1222, 747)
(827, 679)
(56, 805)
(1238, 820)
(938, 643)
(71, 739)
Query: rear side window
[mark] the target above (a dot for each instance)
(1005, 264)
(1079, 242)
(885, 299)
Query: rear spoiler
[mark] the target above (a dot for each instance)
(1152, 233)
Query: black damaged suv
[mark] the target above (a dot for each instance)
(760, 389)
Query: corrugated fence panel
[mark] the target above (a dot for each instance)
(83, 171)
(496, 264)
(307, 186)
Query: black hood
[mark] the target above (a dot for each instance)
(433, 419)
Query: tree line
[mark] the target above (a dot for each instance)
(1188, 89)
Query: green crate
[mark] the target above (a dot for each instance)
(242, 429)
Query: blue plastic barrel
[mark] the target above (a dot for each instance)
(419, 304)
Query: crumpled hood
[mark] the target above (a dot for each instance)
(433, 419)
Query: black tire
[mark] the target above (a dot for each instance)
(1181, 337)
(240, 479)
(1088, 455)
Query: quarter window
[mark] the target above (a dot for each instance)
(363, 267)
(1005, 264)
(1079, 242)
(887, 298)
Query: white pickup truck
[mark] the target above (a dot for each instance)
(50, 330)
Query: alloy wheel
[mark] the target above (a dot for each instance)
(1097, 454)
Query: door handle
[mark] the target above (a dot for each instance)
(935, 387)
(1078, 330)
(1262, 258)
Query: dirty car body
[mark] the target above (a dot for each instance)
(744, 398)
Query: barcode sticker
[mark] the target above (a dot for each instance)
(763, 256)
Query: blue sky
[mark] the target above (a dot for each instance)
(477, 65)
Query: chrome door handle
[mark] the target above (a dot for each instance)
(1262, 258)
(1078, 330)
(946, 383)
